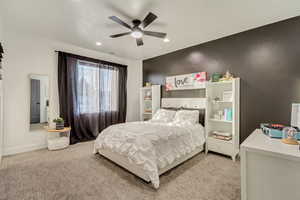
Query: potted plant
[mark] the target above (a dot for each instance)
(60, 123)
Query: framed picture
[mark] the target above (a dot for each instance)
(227, 96)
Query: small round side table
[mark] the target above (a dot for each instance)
(58, 139)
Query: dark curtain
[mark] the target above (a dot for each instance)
(1, 52)
(92, 95)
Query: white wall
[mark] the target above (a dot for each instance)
(29, 54)
(134, 83)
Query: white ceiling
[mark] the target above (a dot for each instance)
(187, 22)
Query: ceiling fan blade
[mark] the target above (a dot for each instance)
(116, 8)
(148, 19)
(119, 21)
(155, 34)
(120, 34)
(139, 41)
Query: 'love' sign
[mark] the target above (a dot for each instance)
(186, 81)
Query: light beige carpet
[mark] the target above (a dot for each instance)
(76, 173)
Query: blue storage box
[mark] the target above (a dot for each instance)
(275, 133)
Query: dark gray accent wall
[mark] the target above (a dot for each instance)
(267, 59)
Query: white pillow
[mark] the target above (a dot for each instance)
(189, 116)
(163, 115)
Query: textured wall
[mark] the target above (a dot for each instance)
(267, 60)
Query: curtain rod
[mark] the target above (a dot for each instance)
(102, 61)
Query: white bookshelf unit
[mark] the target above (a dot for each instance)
(223, 116)
(149, 101)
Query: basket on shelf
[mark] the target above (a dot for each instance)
(59, 123)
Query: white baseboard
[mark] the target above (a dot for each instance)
(22, 149)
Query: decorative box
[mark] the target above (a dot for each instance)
(275, 130)
(216, 77)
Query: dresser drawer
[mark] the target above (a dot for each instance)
(220, 146)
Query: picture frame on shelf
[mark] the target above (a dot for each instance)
(227, 96)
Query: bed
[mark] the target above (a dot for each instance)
(149, 149)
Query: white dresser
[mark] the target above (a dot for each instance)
(270, 169)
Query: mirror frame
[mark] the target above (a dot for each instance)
(29, 99)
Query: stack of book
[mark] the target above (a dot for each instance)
(221, 135)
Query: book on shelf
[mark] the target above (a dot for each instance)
(221, 137)
(221, 133)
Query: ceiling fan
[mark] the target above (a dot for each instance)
(137, 31)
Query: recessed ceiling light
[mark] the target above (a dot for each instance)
(98, 43)
(166, 40)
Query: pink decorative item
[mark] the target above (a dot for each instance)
(168, 87)
(201, 76)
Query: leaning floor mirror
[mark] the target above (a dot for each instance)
(39, 101)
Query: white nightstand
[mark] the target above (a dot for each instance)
(58, 139)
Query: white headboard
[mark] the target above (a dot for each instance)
(198, 103)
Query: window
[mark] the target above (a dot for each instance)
(96, 87)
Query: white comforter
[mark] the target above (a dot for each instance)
(151, 145)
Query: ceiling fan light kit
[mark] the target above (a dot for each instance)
(136, 34)
(137, 31)
(166, 40)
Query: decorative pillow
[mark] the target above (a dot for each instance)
(190, 116)
(163, 115)
(201, 114)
